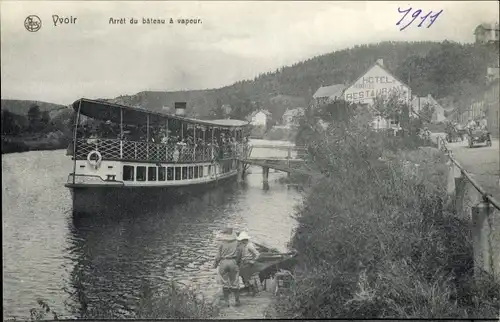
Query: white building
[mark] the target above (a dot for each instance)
(492, 73)
(289, 118)
(259, 118)
(378, 81)
(226, 108)
(487, 33)
(418, 104)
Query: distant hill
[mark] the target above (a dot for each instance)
(21, 107)
(442, 69)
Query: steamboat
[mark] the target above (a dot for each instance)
(124, 155)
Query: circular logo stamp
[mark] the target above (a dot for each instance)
(32, 23)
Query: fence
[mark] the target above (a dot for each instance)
(113, 149)
(470, 201)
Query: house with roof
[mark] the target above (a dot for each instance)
(259, 118)
(492, 73)
(418, 103)
(328, 94)
(289, 118)
(377, 81)
(226, 109)
(487, 33)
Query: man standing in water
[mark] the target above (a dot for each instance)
(249, 255)
(229, 258)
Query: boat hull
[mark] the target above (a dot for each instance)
(100, 200)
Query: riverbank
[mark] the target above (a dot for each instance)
(49, 142)
(375, 240)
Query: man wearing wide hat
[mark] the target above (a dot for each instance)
(228, 260)
(248, 257)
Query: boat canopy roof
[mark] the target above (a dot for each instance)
(105, 111)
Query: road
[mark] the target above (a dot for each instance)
(482, 162)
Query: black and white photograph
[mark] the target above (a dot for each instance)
(250, 160)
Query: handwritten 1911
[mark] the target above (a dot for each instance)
(415, 15)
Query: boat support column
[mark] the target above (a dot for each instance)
(241, 170)
(121, 133)
(74, 140)
(147, 136)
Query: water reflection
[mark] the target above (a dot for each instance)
(116, 254)
(105, 259)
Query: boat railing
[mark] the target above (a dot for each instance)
(115, 149)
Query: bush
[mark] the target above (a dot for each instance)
(51, 141)
(10, 146)
(283, 134)
(174, 303)
(258, 132)
(373, 239)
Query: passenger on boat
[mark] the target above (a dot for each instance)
(125, 136)
(165, 138)
(175, 155)
(93, 138)
(199, 149)
(248, 257)
(182, 147)
(108, 131)
(229, 258)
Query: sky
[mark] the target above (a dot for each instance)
(235, 40)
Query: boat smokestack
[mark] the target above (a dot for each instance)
(180, 108)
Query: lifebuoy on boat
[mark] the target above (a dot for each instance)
(94, 163)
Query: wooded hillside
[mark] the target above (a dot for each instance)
(450, 71)
(21, 107)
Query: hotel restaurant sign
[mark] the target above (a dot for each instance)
(376, 82)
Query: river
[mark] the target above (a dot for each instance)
(106, 260)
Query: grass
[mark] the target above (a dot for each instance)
(174, 302)
(374, 240)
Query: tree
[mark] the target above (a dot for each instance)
(394, 107)
(426, 112)
(34, 118)
(216, 113)
(8, 123)
(45, 118)
(337, 111)
(308, 125)
(13, 124)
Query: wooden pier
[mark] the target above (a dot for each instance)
(291, 163)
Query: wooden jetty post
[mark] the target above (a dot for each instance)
(265, 177)
(288, 160)
(265, 174)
